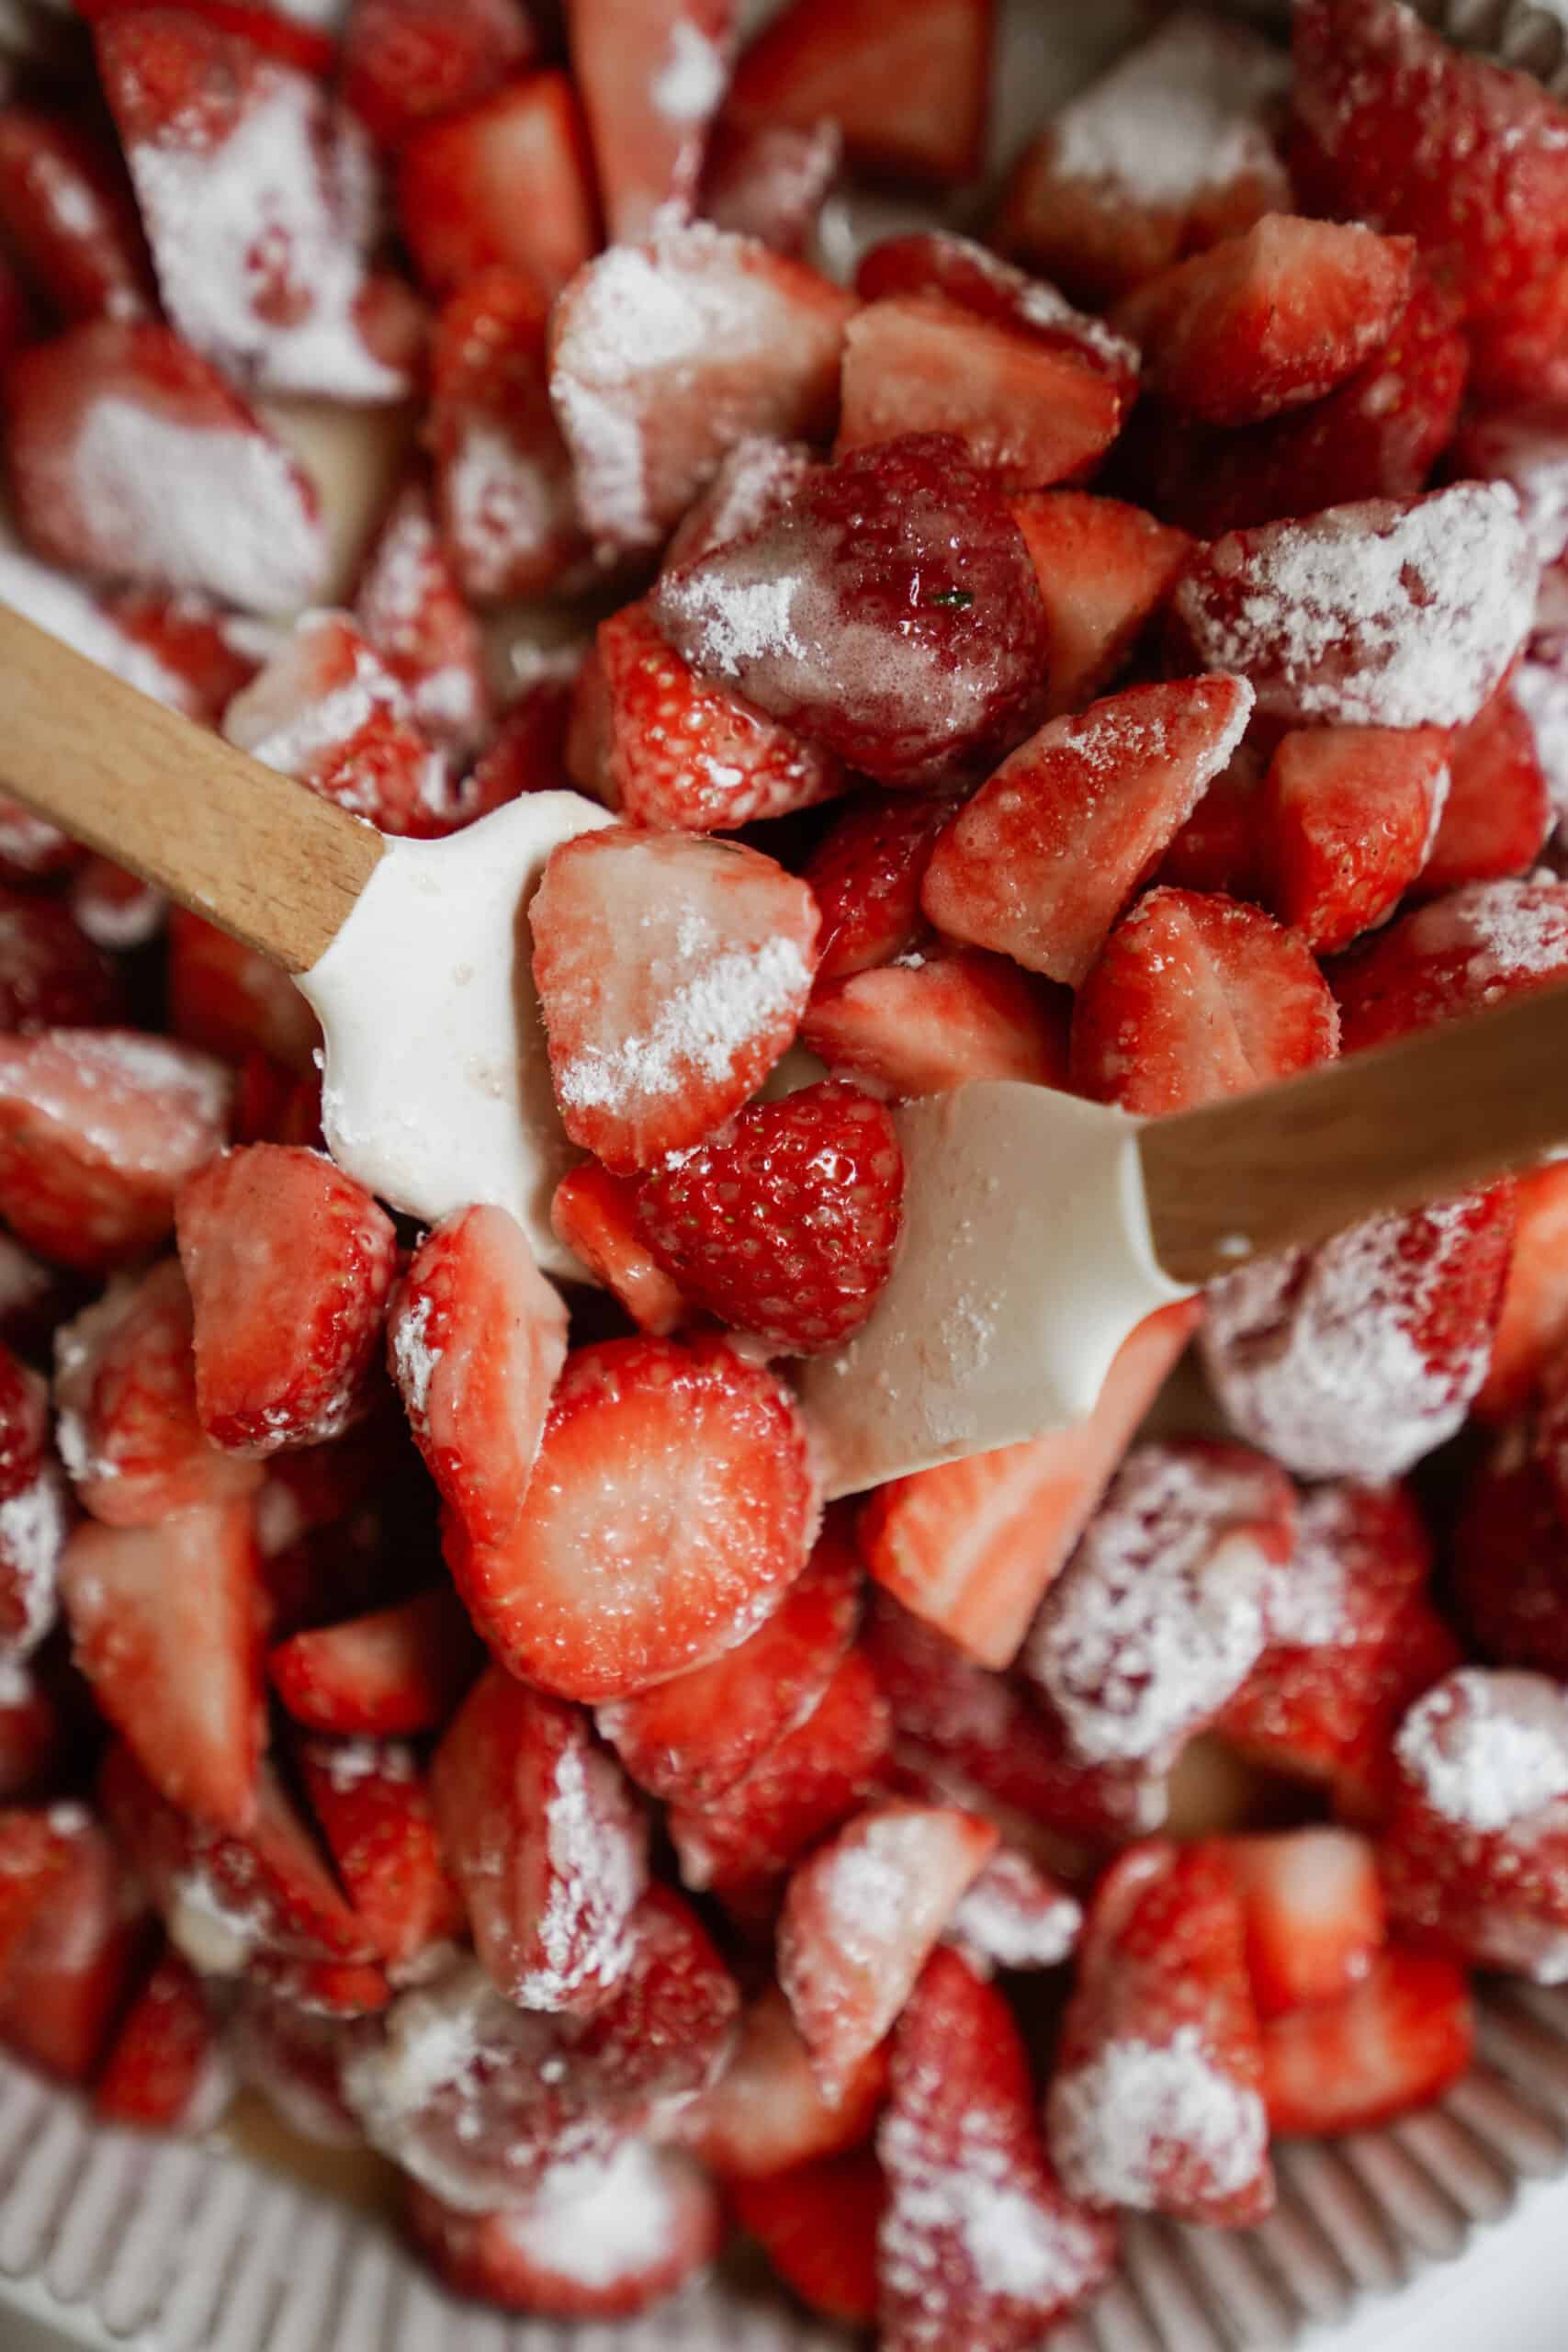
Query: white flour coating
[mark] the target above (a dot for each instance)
(617, 2225)
(1183, 114)
(1115, 2123)
(33, 1528)
(414, 1360)
(1013, 1917)
(701, 1025)
(54, 602)
(595, 1872)
(691, 81)
(1488, 1749)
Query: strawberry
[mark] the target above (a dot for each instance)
(1478, 946)
(1163, 1609)
(1377, 614)
(585, 749)
(1083, 206)
(624, 2240)
(1315, 1917)
(687, 756)
(754, 343)
(37, 1850)
(114, 907)
(1498, 811)
(527, 750)
(961, 2147)
(405, 62)
(753, 481)
(82, 412)
(68, 216)
(476, 1339)
(546, 1841)
(1040, 862)
(688, 1560)
(817, 2222)
(970, 1547)
(671, 973)
(503, 184)
(650, 85)
(865, 875)
(1195, 996)
(693, 1740)
(289, 1263)
(1511, 1548)
(293, 2059)
(98, 1130)
(889, 611)
(593, 1214)
(398, 1670)
(1349, 814)
(1103, 570)
(769, 180)
(1532, 1329)
(929, 1023)
(934, 265)
(909, 91)
(1219, 850)
(1161, 2032)
(35, 1514)
(51, 975)
(279, 27)
(1528, 448)
(1015, 1915)
(370, 1801)
(166, 2070)
(70, 1969)
(228, 998)
(411, 608)
(1392, 2046)
(1025, 413)
(767, 2110)
(35, 1735)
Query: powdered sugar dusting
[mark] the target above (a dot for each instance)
(702, 1023)
(691, 81)
(617, 2225)
(1115, 2122)
(54, 602)
(1530, 451)
(1183, 114)
(414, 1359)
(1487, 1750)
(33, 1528)
(596, 1872)
(219, 1938)
(1013, 1916)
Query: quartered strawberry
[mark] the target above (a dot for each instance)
(970, 1547)
(650, 85)
(934, 265)
(371, 1804)
(51, 975)
(767, 2111)
(1349, 814)
(129, 457)
(1156, 2099)
(289, 1263)
(1378, 615)
(908, 89)
(817, 2222)
(865, 875)
(748, 343)
(1219, 852)
(691, 1739)
(398, 1670)
(98, 1130)
(69, 1971)
(1389, 2048)
(411, 608)
(889, 611)
(1040, 862)
(476, 1339)
(407, 60)
(166, 2070)
(980, 2244)
(1532, 1329)
(1103, 570)
(593, 1214)
(1498, 811)
(228, 998)
(674, 1503)
(68, 216)
(929, 1023)
(1162, 1610)
(609, 2244)
(686, 755)
(769, 180)
(1314, 1911)
(673, 973)
(1166, 154)
(1015, 1915)
(1476, 947)
(1195, 996)
(506, 183)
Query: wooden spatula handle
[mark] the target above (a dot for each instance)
(254, 852)
(1413, 1122)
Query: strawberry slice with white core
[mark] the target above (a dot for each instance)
(411, 608)
(652, 84)
(672, 974)
(932, 1021)
(371, 1804)
(767, 2110)
(401, 1669)
(1389, 2048)
(476, 1339)
(1015, 1916)
(1314, 1914)
(546, 1841)
(593, 1214)
(1103, 570)
(908, 88)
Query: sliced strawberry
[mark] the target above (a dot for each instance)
(593, 1214)
(929, 1023)
(165, 2071)
(1162, 1610)
(650, 85)
(1103, 570)
(767, 2110)
(1498, 812)
(1532, 1329)
(671, 973)
(889, 611)
(98, 1130)
(506, 183)
(399, 1670)
(1156, 2098)
(1219, 852)
(817, 2222)
(411, 608)
(620, 2241)
(405, 62)
(769, 180)
(69, 218)
(476, 1339)
(1390, 2047)
(1315, 1915)
(1097, 204)
(1015, 1915)
(908, 88)
(980, 2244)
(1350, 815)
(865, 875)
(1040, 864)
(936, 265)
(289, 1263)
(374, 1810)
(69, 1971)
(226, 998)
(1478, 946)
(752, 344)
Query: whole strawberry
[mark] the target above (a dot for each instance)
(785, 1223)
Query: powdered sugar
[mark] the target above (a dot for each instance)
(1013, 1916)
(1114, 2122)
(619, 2222)
(349, 1763)
(701, 1023)
(1487, 1750)
(414, 1360)
(508, 502)
(1540, 689)
(53, 601)
(219, 1938)
(1528, 449)
(690, 84)
(1183, 114)
(33, 1528)
(596, 1871)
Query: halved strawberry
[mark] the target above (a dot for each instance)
(98, 1130)
(68, 216)
(767, 2110)
(35, 1512)
(289, 1263)
(769, 180)
(929, 1023)
(1478, 946)
(406, 60)
(371, 1803)
(1394, 2044)
(1157, 2100)
(889, 611)
(593, 1214)
(650, 85)
(970, 1547)
(1498, 812)
(1349, 814)
(507, 182)
(1103, 570)
(411, 608)
(70, 1970)
(980, 2244)
(227, 997)
(935, 266)
(476, 1339)
(399, 1670)
(673, 973)
(1314, 1914)
(865, 875)
(166, 2070)
(817, 2222)
(1195, 996)
(749, 344)
(1015, 1915)
(909, 89)
(1042, 861)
